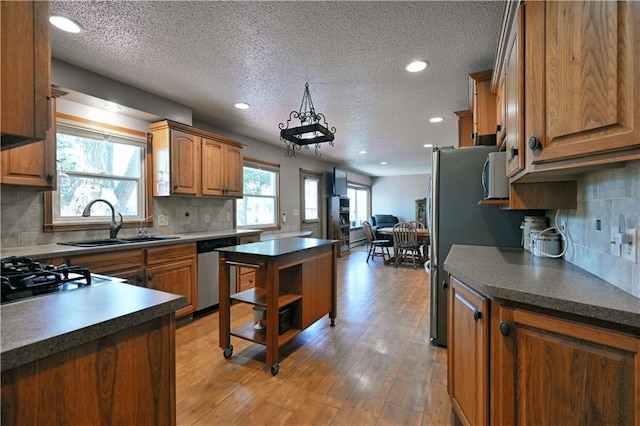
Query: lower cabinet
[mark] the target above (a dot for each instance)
(522, 365)
(468, 354)
(170, 268)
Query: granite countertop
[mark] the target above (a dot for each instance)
(36, 328)
(516, 275)
(58, 250)
(278, 247)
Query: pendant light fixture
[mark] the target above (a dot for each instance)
(313, 129)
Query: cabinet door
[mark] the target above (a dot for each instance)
(513, 98)
(212, 166)
(32, 165)
(465, 127)
(233, 171)
(177, 278)
(185, 163)
(484, 104)
(553, 371)
(468, 354)
(26, 71)
(582, 79)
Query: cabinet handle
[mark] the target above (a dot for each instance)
(473, 135)
(150, 277)
(498, 128)
(140, 279)
(514, 153)
(534, 143)
(175, 186)
(476, 313)
(445, 284)
(504, 328)
(49, 177)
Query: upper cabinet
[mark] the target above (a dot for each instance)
(188, 161)
(572, 83)
(26, 71)
(483, 105)
(33, 165)
(465, 127)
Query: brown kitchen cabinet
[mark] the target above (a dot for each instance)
(483, 106)
(192, 162)
(468, 354)
(170, 268)
(550, 370)
(581, 85)
(465, 127)
(25, 72)
(33, 165)
(511, 363)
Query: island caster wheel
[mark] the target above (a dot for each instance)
(228, 351)
(333, 322)
(274, 369)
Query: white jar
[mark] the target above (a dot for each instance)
(549, 243)
(531, 223)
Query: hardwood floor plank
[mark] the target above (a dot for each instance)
(376, 366)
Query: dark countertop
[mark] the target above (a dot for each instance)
(516, 275)
(36, 328)
(278, 247)
(58, 250)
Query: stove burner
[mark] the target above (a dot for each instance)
(22, 277)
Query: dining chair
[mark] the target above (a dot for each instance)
(422, 240)
(406, 244)
(376, 247)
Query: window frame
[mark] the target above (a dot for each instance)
(267, 166)
(353, 204)
(67, 120)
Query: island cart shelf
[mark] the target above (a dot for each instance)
(296, 275)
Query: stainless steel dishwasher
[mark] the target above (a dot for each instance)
(208, 291)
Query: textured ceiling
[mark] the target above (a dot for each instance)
(210, 55)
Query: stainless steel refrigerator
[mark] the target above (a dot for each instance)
(454, 217)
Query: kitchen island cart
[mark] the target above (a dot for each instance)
(295, 281)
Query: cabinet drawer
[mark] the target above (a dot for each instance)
(246, 280)
(104, 263)
(161, 255)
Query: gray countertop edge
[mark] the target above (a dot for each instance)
(57, 250)
(516, 275)
(278, 247)
(37, 350)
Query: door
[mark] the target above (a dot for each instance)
(310, 202)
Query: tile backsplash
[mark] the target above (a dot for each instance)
(605, 195)
(22, 216)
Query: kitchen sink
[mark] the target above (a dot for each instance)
(117, 241)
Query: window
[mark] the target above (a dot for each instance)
(259, 207)
(97, 163)
(358, 205)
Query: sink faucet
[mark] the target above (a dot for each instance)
(113, 226)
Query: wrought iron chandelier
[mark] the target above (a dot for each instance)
(312, 131)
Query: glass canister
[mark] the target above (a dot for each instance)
(531, 223)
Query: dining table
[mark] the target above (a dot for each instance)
(421, 233)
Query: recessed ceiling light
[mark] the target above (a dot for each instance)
(110, 106)
(436, 119)
(65, 24)
(384, 163)
(242, 105)
(416, 66)
(362, 152)
(428, 145)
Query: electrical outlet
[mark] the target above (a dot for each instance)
(296, 212)
(207, 218)
(163, 220)
(228, 217)
(630, 250)
(613, 247)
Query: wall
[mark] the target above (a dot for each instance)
(397, 195)
(605, 195)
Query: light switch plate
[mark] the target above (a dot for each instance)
(615, 248)
(163, 220)
(630, 251)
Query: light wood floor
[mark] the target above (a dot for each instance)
(375, 367)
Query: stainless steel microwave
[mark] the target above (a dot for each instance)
(494, 176)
